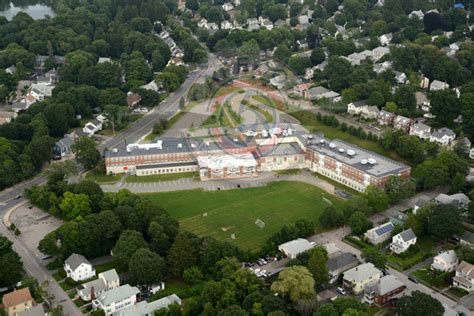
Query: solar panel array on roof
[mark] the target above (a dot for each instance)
(384, 229)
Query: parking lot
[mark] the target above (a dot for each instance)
(34, 224)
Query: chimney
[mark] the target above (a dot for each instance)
(92, 294)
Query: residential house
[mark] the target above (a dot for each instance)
(385, 39)
(402, 123)
(63, 147)
(279, 23)
(202, 23)
(386, 118)
(7, 117)
(357, 107)
(302, 43)
(11, 70)
(355, 58)
(105, 59)
(372, 112)
(278, 82)
(78, 268)
(301, 90)
(145, 308)
(252, 24)
(226, 25)
(446, 261)
(309, 73)
(424, 82)
(303, 19)
(212, 26)
(294, 247)
(398, 218)
(51, 77)
(262, 70)
(422, 102)
(378, 68)
(464, 277)
(116, 299)
(19, 106)
(383, 290)
(107, 281)
(36, 310)
(379, 52)
(467, 238)
(152, 86)
(458, 200)
(437, 85)
(340, 263)
(227, 7)
(418, 204)
(321, 66)
(420, 130)
(92, 127)
(380, 233)
(417, 14)
(42, 90)
(444, 136)
(400, 77)
(133, 99)
(357, 278)
(17, 301)
(317, 93)
(402, 241)
(266, 23)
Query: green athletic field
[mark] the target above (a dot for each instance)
(235, 211)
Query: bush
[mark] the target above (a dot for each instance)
(62, 273)
(70, 282)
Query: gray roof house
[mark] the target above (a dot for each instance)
(36, 310)
(145, 308)
(294, 247)
(467, 238)
(107, 280)
(63, 147)
(317, 93)
(443, 136)
(420, 130)
(458, 200)
(341, 263)
(402, 241)
(78, 268)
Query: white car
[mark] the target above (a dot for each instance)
(256, 271)
(341, 291)
(144, 110)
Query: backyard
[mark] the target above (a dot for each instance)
(221, 214)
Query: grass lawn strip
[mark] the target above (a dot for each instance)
(222, 213)
(161, 177)
(100, 177)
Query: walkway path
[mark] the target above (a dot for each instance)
(191, 184)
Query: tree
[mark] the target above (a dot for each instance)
(359, 223)
(127, 244)
(326, 310)
(419, 304)
(445, 106)
(294, 282)
(331, 217)
(249, 49)
(375, 256)
(75, 205)
(282, 53)
(444, 221)
(317, 56)
(405, 98)
(86, 152)
(183, 253)
(317, 266)
(114, 115)
(299, 64)
(399, 189)
(11, 267)
(146, 267)
(376, 98)
(376, 198)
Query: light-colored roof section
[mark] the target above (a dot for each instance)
(227, 161)
(33, 311)
(443, 132)
(361, 272)
(385, 285)
(17, 297)
(75, 260)
(109, 275)
(448, 256)
(296, 246)
(118, 294)
(143, 308)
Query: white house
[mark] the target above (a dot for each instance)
(92, 127)
(226, 25)
(457, 200)
(116, 299)
(417, 14)
(380, 233)
(107, 281)
(357, 107)
(266, 23)
(202, 23)
(420, 130)
(227, 7)
(252, 24)
(464, 277)
(371, 112)
(438, 85)
(357, 278)
(145, 308)
(446, 261)
(444, 136)
(400, 77)
(78, 268)
(386, 39)
(401, 242)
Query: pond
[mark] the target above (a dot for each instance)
(36, 10)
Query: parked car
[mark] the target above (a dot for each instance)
(341, 291)
(413, 279)
(19, 196)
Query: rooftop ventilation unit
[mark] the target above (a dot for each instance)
(332, 145)
(115, 150)
(350, 152)
(322, 141)
(341, 150)
(180, 145)
(363, 161)
(372, 161)
(310, 136)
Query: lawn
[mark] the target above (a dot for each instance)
(106, 267)
(177, 287)
(161, 177)
(222, 213)
(100, 177)
(435, 279)
(425, 245)
(309, 120)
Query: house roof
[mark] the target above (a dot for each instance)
(97, 284)
(341, 261)
(407, 235)
(448, 256)
(466, 268)
(118, 294)
(109, 275)
(361, 272)
(65, 142)
(360, 103)
(420, 97)
(147, 308)
(296, 246)
(420, 127)
(17, 297)
(382, 229)
(19, 105)
(75, 260)
(385, 285)
(33, 311)
(443, 132)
